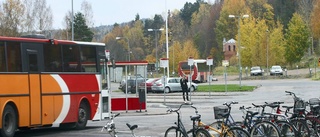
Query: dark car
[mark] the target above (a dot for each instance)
(148, 83)
(131, 85)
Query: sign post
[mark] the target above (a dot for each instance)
(225, 63)
(209, 63)
(190, 63)
(164, 64)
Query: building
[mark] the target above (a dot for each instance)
(229, 48)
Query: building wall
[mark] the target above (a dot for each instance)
(229, 49)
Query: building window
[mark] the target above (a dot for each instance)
(234, 47)
(229, 48)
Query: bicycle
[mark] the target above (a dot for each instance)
(226, 131)
(111, 127)
(286, 128)
(257, 125)
(297, 117)
(180, 131)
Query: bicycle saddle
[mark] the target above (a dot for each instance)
(132, 127)
(196, 117)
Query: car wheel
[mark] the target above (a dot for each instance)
(166, 90)
(192, 89)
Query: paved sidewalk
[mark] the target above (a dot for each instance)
(156, 105)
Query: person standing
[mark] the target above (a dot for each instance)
(184, 87)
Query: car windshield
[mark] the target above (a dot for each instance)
(255, 68)
(276, 67)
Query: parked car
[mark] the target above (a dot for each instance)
(172, 84)
(276, 70)
(131, 85)
(256, 71)
(123, 80)
(148, 83)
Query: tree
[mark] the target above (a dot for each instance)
(297, 39)
(81, 30)
(201, 30)
(188, 10)
(137, 45)
(88, 13)
(283, 10)
(315, 24)
(11, 18)
(117, 48)
(227, 27)
(276, 45)
(260, 9)
(38, 16)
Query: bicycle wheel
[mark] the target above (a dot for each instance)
(286, 129)
(216, 125)
(236, 132)
(173, 132)
(302, 127)
(264, 129)
(202, 133)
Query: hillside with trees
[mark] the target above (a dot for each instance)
(287, 32)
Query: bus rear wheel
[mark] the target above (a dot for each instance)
(83, 116)
(9, 122)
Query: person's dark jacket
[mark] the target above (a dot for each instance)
(183, 83)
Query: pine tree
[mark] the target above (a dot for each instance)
(81, 30)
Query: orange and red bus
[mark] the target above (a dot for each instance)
(199, 70)
(46, 82)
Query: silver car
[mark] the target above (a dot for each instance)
(276, 70)
(256, 71)
(172, 84)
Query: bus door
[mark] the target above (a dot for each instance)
(32, 60)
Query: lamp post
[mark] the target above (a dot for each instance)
(72, 21)
(239, 47)
(267, 51)
(117, 38)
(156, 37)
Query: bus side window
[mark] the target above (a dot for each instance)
(14, 57)
(52, 58)
(3, 62)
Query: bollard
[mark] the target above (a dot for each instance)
(310, 72)
(285, 70)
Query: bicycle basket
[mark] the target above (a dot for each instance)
(219, 110)
(314, 101)
(299, 103)
(314, 105)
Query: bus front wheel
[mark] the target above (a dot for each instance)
(9, 122)
(83, 116)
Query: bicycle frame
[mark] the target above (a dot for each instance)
(224, 124)
(179, 122)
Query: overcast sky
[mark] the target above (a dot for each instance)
(108, 12)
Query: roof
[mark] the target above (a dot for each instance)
(231, 41)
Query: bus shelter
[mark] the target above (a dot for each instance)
(133, 76)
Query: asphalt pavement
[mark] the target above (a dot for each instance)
(159, 103)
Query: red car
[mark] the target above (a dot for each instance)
(149, 83)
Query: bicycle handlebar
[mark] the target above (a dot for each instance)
(114, 115)
(291, 93)
(176, 110)
(228, 104)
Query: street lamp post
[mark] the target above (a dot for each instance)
(156, 37)
(117, 38)
(72, 21)
(239, 46)
(267, 51)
